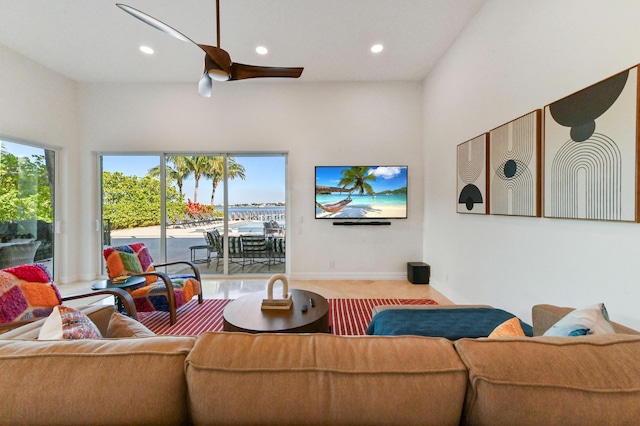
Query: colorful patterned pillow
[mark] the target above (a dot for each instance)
(68, 323)
(590, 320)
(509, 328)
(27, 292)
(131, 259)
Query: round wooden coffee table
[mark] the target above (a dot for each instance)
(245, 315)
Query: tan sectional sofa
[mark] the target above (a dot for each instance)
(235, 378)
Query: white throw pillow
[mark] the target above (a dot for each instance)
(590, 320)
(68, 323)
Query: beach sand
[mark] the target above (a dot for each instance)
(373, 211)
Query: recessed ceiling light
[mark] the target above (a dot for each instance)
(261, 50)
(377, 48)
(146, 49)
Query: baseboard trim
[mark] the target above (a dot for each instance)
(347, 276)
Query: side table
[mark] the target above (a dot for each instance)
(206, 260)
(130, 283)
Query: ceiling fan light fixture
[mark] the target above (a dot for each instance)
(218, 75)
(261, 50)
(146, 49)
(377, 48)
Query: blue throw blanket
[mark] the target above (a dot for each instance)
(449, 323)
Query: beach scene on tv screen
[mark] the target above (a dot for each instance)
(361, 192)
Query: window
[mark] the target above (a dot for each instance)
(27, 204)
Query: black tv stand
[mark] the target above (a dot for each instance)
(356, 223)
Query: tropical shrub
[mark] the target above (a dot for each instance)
(130, 201)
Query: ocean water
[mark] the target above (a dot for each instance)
(279, 210)
(364, 200)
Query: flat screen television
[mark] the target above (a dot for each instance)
(361, 192)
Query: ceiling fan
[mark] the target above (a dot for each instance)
(217, 62)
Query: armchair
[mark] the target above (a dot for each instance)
(161, 292)
(28, 293)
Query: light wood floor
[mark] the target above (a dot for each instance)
(330, 289)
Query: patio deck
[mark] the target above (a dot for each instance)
(180, 241)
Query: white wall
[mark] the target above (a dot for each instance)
(317, 124)
(515, 57)
(38, 106)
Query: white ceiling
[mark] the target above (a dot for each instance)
(94, 41)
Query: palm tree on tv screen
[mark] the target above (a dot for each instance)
(358, 179)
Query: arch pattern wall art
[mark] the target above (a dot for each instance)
(472, 176)
(514, 167)
(590, 151)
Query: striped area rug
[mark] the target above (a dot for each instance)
(347, 317)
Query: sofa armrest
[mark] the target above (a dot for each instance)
(544, 316)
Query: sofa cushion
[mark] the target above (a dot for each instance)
(590, 320)
(68, 323)
(94, 381)
(124, 326)
(324, 379)
(552, 380)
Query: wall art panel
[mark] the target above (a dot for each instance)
(472, 176)
(590, 150)
(514, 167)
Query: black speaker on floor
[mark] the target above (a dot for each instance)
(418, 272)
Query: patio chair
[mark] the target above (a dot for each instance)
(278, 249)
(161, 292)
(269, 229)
(18, 253)
(235, 247)
(255, 249)
(28, 294)
(276, 226)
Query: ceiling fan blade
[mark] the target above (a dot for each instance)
(155, 23)
(242, 71)
(204, 85)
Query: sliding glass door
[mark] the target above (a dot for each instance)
(223, 212)
(27, 205)
(256, 213)
(131, 202)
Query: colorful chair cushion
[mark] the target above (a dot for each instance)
(26, 292)
(133, 259)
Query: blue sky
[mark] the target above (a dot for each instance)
(264, 178)
(20, 150)
(388, 177)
